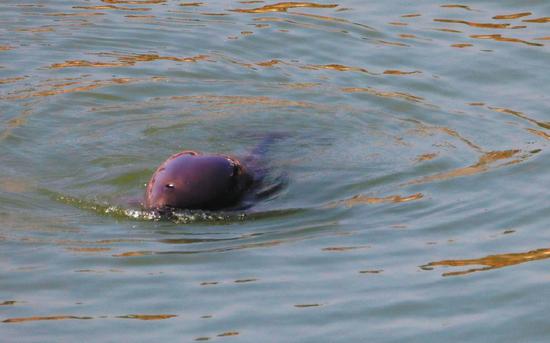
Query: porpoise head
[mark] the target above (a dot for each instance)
(191, 180)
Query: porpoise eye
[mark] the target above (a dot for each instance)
(170, 185)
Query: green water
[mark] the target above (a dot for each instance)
(415, 207)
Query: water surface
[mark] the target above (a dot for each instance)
(415, 207)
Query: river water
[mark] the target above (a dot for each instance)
(414, 153)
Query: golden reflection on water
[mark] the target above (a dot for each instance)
(397, 44)
(424, 129)
(539, 133)
(485, 163)
(407, 35)
(448, 30)
(538, 20)
(11, 79)
(69, 317)
(512, 16)
(79, 14)
(194, 4)
(467, 8)
(474, 24)
(127, 60)
(362, 199)
(337, 67)
(133, 16)
(426, 157)
(148, 316)
(88, 249)
(134, 2)
(36, 29)
(491, 261)
(39, 318)
(72, 85)
(384, 94)
(112, 7)
(400, 72)
(283, 7)
(500, 38)
(461, 45)
(521, 115)
(222, 101)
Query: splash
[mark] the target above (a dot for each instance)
(175, 216)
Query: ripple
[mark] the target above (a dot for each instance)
(148, 316)
(361, 199)
(113, 7)
(134, 2)
(490, 261)
(500, 38)
(193, 4)
(474, 24)
(538, 20)
(70, 317)
(127, 60)
(486, 162)
(283, 7)
(40, 318)
(464, 7)
(521, 115)
(512, 16)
